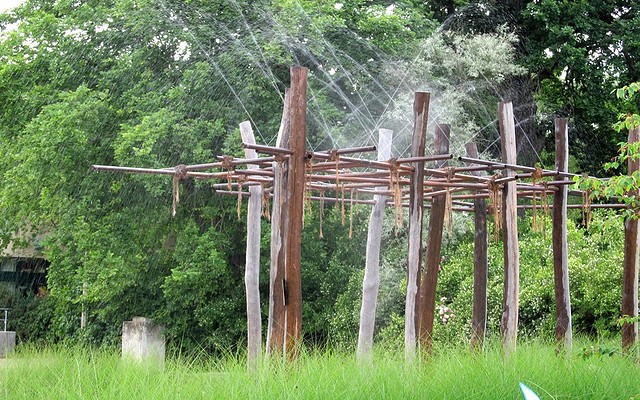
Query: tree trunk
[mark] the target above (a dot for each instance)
(509, 321)
(560, 249)
(630, 273)
(480, 265)
(252, 266)
(275, 329)
(428, 284)
(295, 191)
(371, 281)
(420, 119)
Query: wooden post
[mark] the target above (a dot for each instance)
(509, 320)
(83, 313)
(428, 284)
(295, 193)
(275, 330)
(420, 119)
(560, 249)
(480, 265)
(630, 273)
(371, 281)
(252, 265)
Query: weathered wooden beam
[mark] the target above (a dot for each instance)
(295, 190)
(480, 265)
(276, 324)
(427, 289)
(252, 264)
(371, 281)
(509, 321)
(420, 119)
(560, 247)
(630, 272)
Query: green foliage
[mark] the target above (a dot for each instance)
(578, 53)
(623, 188)
(595, 272)
(157, 84)
(29, 315)
(201, 293)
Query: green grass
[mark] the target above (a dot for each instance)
(449, 374)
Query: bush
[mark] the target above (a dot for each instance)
(30, 316)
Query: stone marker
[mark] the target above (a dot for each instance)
(7, 342)
(7, 338)
(143, 340)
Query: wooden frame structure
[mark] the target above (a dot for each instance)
(288, 174)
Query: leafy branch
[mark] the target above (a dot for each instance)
(628, 120)
(624, 188)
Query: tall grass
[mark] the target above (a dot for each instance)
(449, 374)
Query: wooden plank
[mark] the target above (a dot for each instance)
(480, 264)
(371, 281)
(275, 329)
(560, 247)
(630, 272)
(429, 282)
(509, 320)
(420, 119)
(295, 191)
(252, 264)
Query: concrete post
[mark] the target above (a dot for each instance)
(143, 340)
(7, 343)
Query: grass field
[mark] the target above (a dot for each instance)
(449, 374)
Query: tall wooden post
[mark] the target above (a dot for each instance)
(252, 265)
(371, 281)
(428, 284)
(276, 324)
(295, 193)
(420, 119)
(509, 320)
(630, 273)
(560, 249)
(83, 313)
(480, 265)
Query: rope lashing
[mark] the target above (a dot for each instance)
(335, 157)
(351, 213)
(394, 186)
(321, 212)
(448, 201)
(495, 196)
(342, 204)
(536, 176)
(180, 173)
(265, 203)
(241, 180)
(545, 208)
(227, 164)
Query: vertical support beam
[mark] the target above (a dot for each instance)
(83, 313)
(427, 289)
(630, 273)
(509, 321)
(295, 191)
(420, 119)
(275, 329)
(252, 263)
(559, 237)
(371, 281)
(480, 265)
